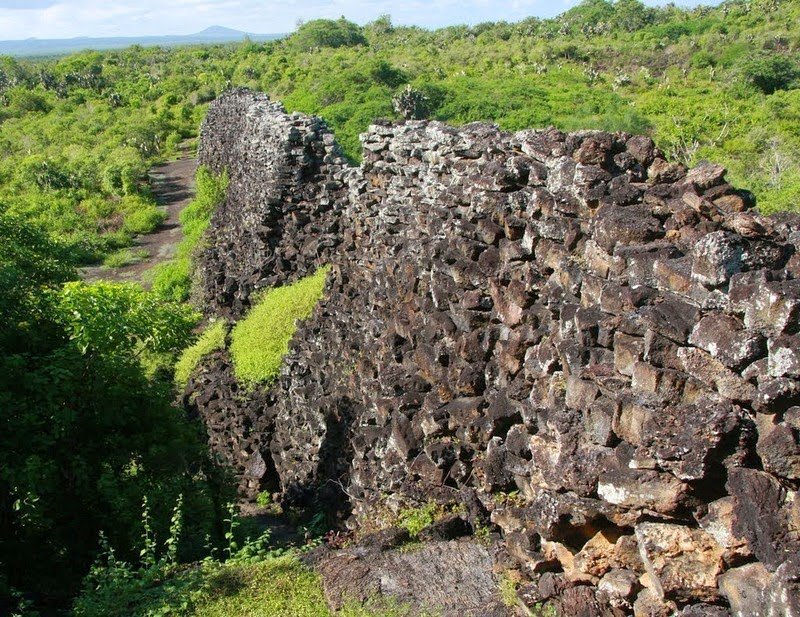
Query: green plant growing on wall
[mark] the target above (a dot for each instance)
(414, 520)
(212, 339)
(261, 340)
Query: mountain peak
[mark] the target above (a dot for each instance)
(220, 31)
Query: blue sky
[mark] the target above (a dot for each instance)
(21, 19)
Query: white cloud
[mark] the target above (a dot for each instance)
(70, 18)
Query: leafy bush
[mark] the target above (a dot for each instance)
(327, 33)
(261, 340)
(769, 72)
(171, 280)
(116, 318)
(141, 216)
(416, 519)
(84, 433)
(212, 339)
(30, 263)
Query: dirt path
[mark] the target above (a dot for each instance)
(173, 188)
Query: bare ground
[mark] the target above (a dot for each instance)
(173, 188)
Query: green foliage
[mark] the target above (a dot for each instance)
(508, 591)
(172, 280)
(30, 263)
(253, 582)
(327, 33)
(261, 340)
(88, 429)
(416, 519)
(113, 318)
(142, 218)
(279, 585)
(124, 257)
(212, 339)
(84, 433)
(264, 499)
(88, 126)
(769, 72)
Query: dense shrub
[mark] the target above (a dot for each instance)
(84, 432)
(769, 72)
(327, 33)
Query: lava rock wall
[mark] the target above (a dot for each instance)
(280, 190)
(596, 351)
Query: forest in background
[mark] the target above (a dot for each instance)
(89, 437)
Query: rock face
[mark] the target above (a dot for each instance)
(569, 318)
(453, 576)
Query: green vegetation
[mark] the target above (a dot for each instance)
(261, 340)
(212, 339)
(327, 33)
(124, 257)
(271, 586)
(173, 279)
(78, 133)
(85, 433)
(252, 580)
(414, 520)
(88, 372)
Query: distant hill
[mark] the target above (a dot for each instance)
(53, 47)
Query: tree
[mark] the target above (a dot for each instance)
(327, 33)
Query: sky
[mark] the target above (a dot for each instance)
(20, 19)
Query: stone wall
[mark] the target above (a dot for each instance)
(280, 190)
(595, 350)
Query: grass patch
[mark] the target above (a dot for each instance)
(125, 257)
(276, 586)
(212, 339)
(281, 586)
(141, 216)
(261, 340)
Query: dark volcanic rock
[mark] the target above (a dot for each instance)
(589, 346)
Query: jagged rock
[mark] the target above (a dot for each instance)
(706, 369)
(682, 563)
(649, 604)
(706, 175)
(567, 332)
(783, 594)
(762, 516)
(620, 586)
(724, 337)
(716, 258)
(744, 588)
(779, 448)
(704, 610)
(719, 523)
(639, 488)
